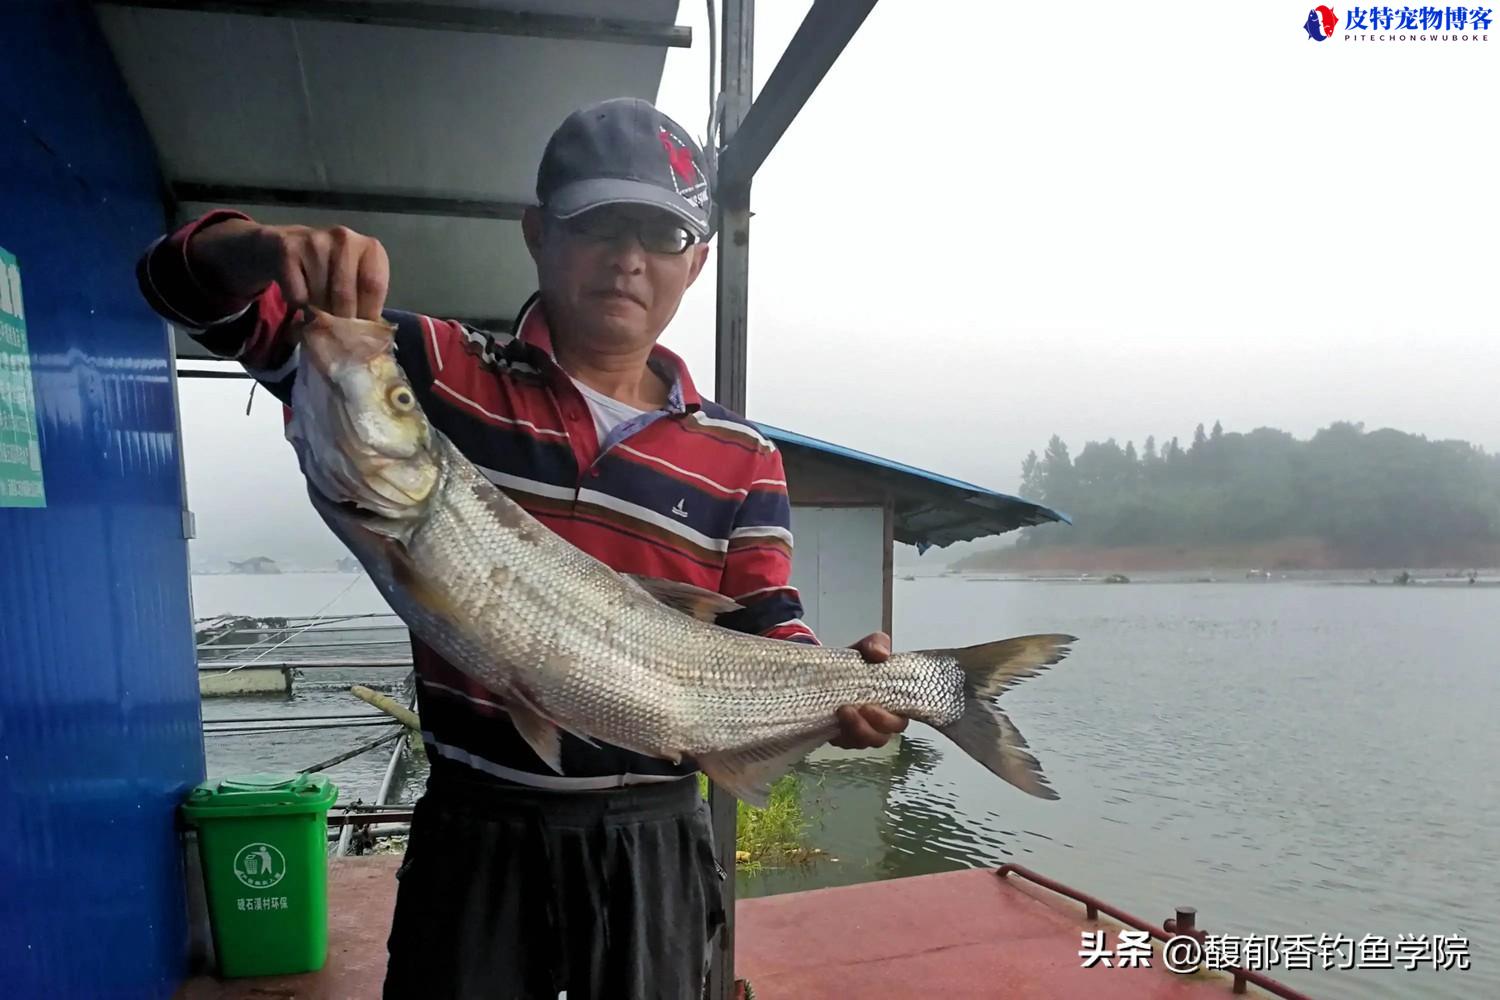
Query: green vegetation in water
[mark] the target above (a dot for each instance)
(775, 835)
(1381, 497)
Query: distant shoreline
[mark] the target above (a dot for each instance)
(1289, 555)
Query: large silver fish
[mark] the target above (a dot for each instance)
(568, 643)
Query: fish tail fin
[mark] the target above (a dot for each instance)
(983, 731)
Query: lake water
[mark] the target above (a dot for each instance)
(316, 693)
(1288, 757)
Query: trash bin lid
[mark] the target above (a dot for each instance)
(263, 792)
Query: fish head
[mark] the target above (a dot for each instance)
(362, 440)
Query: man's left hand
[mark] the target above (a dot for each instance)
(864, 727)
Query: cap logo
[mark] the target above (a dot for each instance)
(680, 157)
(689, 184)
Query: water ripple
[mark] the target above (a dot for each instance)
(1265, 753)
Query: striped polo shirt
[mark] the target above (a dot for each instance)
(691, 492)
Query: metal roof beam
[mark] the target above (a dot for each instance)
(441, 17)
(347, 201)
(731, 339)
(822, 35)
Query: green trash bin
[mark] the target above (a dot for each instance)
(263, 841)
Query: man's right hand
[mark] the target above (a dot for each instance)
(337, 270)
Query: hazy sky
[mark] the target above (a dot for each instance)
(994, 222)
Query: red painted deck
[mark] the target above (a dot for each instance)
(361, 896)
(958, 935)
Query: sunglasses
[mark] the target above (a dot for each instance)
(660, 236)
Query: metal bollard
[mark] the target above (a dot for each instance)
(1186, 924)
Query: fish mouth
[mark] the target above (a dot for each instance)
(328, 340)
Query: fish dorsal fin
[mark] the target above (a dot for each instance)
(748, 773)
(704, 605)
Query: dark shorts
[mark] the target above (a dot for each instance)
(513, 893)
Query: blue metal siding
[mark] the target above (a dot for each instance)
(99, 717)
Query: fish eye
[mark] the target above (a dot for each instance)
(402, 399)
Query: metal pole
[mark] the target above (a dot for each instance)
(813, 50)
(734, 212)
(385, 789)
(730, 369)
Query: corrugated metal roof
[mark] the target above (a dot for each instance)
(931, 509)
(283, 102)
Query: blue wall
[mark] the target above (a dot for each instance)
(99, 717)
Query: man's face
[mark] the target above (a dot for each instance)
(609, 277)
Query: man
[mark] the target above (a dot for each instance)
(519, 882)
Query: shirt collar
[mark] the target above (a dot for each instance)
(533, 330)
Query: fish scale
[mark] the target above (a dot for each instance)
(566, 642)
(716, 686)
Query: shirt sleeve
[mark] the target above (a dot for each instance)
(758, 568)
(167, 281)
(250, 331)
(256, 332)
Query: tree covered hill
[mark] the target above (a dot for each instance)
(1374, 498)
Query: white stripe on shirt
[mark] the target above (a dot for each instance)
(555, 782)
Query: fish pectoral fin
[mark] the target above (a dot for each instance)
(404, 572)
(704, 605)
(540, 734)
(749, 772)
(518, 697)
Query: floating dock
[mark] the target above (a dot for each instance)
(243, 655)
(219, 683)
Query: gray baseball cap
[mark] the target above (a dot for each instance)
(625, 151)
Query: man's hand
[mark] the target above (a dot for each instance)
(336, 270)
(866, 726)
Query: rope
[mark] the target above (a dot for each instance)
(316, 619)
(362, 748)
